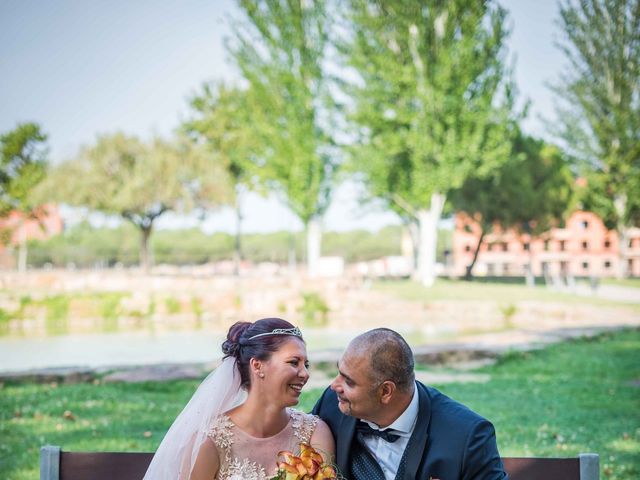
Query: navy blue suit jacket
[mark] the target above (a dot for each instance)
(449, 441)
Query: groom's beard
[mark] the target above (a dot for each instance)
(346, 405)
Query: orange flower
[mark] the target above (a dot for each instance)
(308, 466)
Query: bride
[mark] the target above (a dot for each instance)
(240, 417)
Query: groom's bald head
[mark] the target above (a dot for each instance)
(390, 357)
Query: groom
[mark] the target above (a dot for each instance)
(387, 426)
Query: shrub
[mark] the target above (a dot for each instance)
(314, 310)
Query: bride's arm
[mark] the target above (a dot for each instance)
(207, 462)
(322, 440)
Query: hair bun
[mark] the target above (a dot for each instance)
(231, 345)
(230, 349)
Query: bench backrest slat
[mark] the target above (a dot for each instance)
(542, 468)
(132, 466)
(104, 465)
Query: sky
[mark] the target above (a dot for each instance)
(85, 67)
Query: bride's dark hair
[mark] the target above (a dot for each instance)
(240, 345)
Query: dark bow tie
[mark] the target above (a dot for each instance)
(387, 435)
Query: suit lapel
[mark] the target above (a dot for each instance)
(346, 431)
(418, 441)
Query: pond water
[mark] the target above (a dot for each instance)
(132, 348)
(146, 347)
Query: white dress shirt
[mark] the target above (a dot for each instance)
(387, 454)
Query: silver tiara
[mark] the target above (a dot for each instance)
(280, 331)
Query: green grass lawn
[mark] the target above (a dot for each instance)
(582, 396)
(462, 291)
(624, 282)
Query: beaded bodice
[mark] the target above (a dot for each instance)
(243, 457)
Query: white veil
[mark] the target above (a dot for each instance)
(218, 393)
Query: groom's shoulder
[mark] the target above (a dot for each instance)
(447, 410)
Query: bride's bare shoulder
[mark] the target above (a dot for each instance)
(322, 440)
(207, 462)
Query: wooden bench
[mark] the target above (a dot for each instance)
(58, 465)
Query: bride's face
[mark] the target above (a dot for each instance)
(285, 373)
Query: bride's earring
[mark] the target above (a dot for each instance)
(261, 374)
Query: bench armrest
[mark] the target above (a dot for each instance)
(589, 466)
(50, 463)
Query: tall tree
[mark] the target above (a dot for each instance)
(432, 102)
(222, 122)
(23, 163)
(529, 193)
(121, 175)
(279, 50)
(598, 104)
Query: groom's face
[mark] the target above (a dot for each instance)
(355, 389)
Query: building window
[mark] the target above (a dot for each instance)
(505, 269)
(631, 243)
(584, 224)
(505, 246)
(607, 264)
(467, 248)
(526, 246)
(546, 245)
(585, 265)
(585, 245)
(607, 244)
(562, 245)
(467, 228)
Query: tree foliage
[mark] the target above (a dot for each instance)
(279, 49)
(598, 108)
(222, 122)
(121, 175)
(23, 161)
(530, 192)
(432, 100)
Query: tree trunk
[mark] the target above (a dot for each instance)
(22, 249)
(623, 236)
(428, 224)
(145, 254)
(530, 278)
(314, 241)
(237, 252)
(620, 205)
(292, 252)
(410, 229)
(469, 273)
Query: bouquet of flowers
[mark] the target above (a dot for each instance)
(308, 466)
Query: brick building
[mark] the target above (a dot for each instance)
(18, 228)
(584, 247)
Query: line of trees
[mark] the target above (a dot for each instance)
(84, 246)
(414, 99)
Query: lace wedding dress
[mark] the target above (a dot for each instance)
(243, 457)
